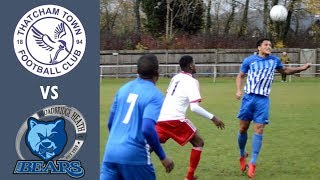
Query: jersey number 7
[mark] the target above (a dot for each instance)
(132, 98)
(175, 86)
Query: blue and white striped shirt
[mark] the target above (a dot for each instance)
(260, 73)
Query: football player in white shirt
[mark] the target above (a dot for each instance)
(183, 91)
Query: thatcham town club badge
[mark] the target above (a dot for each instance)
(49, 40)
(48, 140)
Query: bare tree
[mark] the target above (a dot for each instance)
(244, 22)
(217, 9)
(292, 4)
(208, 18)
(230, 17)
(138, 20)
(109, 18)
(265, 17)
(273, 32)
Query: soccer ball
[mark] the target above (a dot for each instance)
(278, 13)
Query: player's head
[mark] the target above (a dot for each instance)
(264, 46)
(187, 64)
(148, 67)
(284, 53)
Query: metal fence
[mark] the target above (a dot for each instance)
(207, 70)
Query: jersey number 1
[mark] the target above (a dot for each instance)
(132, 98)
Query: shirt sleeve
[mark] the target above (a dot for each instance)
(151, 135)
(152, 110)
(192, 89)
(112, 112)
(279, 64)
(245, 66)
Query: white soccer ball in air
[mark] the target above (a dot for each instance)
(278, 13)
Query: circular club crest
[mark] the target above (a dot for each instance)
(49, 40)
(53, 133)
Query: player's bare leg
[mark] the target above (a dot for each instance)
(197, 143)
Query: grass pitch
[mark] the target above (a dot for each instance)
(291, 145)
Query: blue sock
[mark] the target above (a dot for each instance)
(256, 146)
(242, 141)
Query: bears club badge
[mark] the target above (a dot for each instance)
(49, 139)
(49, 41)
(46, 139)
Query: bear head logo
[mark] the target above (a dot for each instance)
(46, 139)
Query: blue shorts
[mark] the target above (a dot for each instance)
(255, 107)
(115, 171)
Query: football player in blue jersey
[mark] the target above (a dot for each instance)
(255, 104)
(132, 132)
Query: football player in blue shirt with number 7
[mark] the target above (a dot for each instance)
(255, 102)
(132, 120)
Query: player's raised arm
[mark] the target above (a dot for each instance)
(293, 70)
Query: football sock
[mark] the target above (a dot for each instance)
(242, 141)
(194, 161)
(256, 146)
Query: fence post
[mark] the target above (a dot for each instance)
(101, 73)
(166, 62)
(290, 75)
(117, 54)
(214, 72)
(215, 65)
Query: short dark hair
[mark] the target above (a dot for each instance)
(185, 61)
(260, 41)
(148, 66)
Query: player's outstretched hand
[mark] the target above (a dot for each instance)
(306, 66)
(168, 164)
(217, 122)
